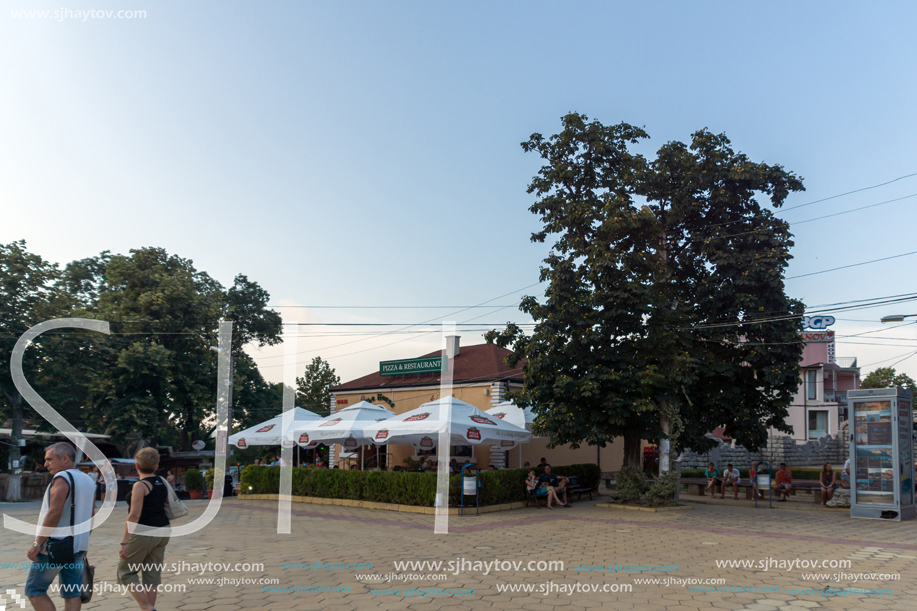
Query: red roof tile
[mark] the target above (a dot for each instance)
(474, 363)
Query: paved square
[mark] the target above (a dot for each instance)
(688, 542)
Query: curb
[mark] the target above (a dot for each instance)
(639, 508)
(314, 500)
(793, 507)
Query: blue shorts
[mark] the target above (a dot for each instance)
(42, 574)
(542, 491)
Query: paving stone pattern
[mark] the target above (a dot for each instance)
(245, 532)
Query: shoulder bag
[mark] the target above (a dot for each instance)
(174, 507)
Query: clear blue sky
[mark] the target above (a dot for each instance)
(368, 152)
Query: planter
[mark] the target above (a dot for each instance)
(195, 494)
(210, 494)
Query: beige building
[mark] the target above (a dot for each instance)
(482, 378)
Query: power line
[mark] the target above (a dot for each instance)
(827, 216)
(906, 355)
(365, 307)
(824, 199)
(432, 320)
(397, 324)
(834, 269)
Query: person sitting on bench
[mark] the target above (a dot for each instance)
(713, 478)
(731, 477)
(538, 487)
(784, 482)
(559, 484)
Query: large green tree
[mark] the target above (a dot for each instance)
(313, 390)
(27, 297)
(887, 377)
(665, 314)
(155, 376)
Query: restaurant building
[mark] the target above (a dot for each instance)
(480, 377)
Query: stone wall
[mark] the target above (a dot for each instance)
(834, 449)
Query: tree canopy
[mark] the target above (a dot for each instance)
(665, 314)
(886, 377)
(154, 377)
(313, 390)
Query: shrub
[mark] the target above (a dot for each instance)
(208, 477)
(662, 491)
(630, 484)
(400, 487)
(193, 480)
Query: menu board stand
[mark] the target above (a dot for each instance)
(881, 454)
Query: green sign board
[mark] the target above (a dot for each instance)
(406, 367)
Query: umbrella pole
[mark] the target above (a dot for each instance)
(361, 457)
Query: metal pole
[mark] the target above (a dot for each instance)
(232, 376)
(13, 491)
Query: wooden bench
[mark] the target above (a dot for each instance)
(574, 487)
(697, 485)
(531, 497)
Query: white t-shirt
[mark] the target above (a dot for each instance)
(85, 490)
(732, 476)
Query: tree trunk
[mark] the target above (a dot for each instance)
(632, 451)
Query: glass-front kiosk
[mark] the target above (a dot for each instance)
(881, 454)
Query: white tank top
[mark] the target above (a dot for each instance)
(83, 495)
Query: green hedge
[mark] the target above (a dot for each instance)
(400, 487)
(796, 473)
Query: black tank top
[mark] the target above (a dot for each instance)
(153, 512)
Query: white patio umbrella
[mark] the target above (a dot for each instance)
(269, 432)
(518, 416)
(421, 426)
(345, 427)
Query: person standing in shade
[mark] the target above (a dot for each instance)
(828, 480)
(147, 505)
(71, 495)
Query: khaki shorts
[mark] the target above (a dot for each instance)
(143, 550)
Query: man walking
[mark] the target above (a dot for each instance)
(70, 496)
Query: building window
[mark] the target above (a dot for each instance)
(818, 423)
(462, 451)
(811, 384)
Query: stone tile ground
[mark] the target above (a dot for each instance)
(245, 532)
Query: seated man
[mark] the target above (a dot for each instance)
(784, 482)
(559, 483)
(731, 477)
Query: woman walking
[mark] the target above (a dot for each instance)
(147, 505)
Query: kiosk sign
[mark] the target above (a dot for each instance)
(881, 454)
